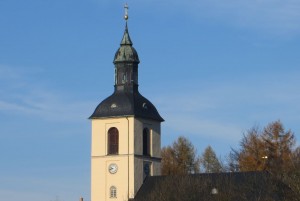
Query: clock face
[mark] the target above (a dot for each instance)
(112, 168)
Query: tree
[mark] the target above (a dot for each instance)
(272, 149)
(252, 156)
(279, 147)
(210, 162)
(292, 178)
(232, 164)
(180, 158)
(296, 158)
(269, 149)
(168, 161)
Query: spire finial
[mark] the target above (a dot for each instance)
(126, 12)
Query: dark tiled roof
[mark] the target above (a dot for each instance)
(122, 103)
(217, 186)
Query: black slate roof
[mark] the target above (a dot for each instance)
(122, 103)
(238, 186)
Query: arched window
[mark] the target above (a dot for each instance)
(113, 141)
(146, 142)
(113, 192)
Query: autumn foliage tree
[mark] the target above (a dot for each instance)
(271, 149)
(252, 156)
(279, 146)
(268, 149)
(210, 162)
(180, 158)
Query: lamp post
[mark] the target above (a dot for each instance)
(264, 159)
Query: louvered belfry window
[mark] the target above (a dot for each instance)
(113, 141)
(146, 142)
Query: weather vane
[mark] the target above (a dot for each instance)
(126, 12)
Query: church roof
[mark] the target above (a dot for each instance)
(250, 186)
(126, 104)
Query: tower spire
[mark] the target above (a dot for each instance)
(126, 39)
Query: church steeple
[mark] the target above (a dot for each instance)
(126, 63)
(126, 99)
(126, 133)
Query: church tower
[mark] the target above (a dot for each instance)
(126, 133)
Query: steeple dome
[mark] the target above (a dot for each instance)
(126, 99)
(126, 53)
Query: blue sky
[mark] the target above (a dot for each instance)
(213, 69)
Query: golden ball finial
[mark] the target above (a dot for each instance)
(126, 12)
